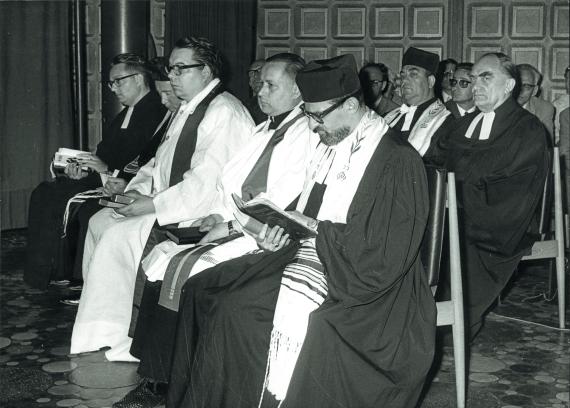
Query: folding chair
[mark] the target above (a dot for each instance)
(554, 248)
(448, 312)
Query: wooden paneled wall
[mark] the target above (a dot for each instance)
(533, 31)
(371, 30)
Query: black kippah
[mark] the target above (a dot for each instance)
(323, 80)
(420, 58)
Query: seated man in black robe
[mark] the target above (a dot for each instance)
(501, 160)
(72, 243)
(342, 319)
(122, 142)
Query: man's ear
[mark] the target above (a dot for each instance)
(431, 80)
(296, 91)
(140, 80)
(207, 72)
(510, 85)
(351, 104)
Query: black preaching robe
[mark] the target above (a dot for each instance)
(370, 343)
(47, 202)
(499, 187)
(70, 253)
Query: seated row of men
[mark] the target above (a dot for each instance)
(250, 316)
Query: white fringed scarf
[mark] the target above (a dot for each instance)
(303, 284)
(303, 289)
(79, 198)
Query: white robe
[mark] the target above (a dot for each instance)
(114, 244)
(287, 170)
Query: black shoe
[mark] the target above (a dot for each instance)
(145, 395)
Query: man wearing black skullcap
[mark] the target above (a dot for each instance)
(422, 113)
(345, 318)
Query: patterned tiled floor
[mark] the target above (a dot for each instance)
(513, 363)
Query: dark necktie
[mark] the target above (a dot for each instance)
(256, 181)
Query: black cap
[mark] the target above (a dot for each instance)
(323, 80)
(420, 58)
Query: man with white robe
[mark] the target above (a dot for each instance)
(422, 113)
(178, 185)
(289, 142)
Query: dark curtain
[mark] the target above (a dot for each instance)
(230, 24)
(36, 113)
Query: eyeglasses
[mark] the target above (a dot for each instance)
(176, 70)
(376, 82)
(318, 116)
(117, 81)
(463, 83)
(528, 87)
(448, 74)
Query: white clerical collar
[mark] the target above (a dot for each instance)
(409, 111)
(191, 105)
(127, 119)
(485, 133)
(463, 112)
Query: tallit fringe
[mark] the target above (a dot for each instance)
(78, 198)
(281, 361)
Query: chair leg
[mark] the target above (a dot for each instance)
(460, 368)
(559, 235)
(560, 282)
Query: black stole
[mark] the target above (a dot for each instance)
(186, 144)
(256, 181)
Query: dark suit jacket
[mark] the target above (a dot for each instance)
(544, 111)
(384, 105)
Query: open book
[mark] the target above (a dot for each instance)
(64, 156)
(266, 212)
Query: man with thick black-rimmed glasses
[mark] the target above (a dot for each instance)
(178, 185)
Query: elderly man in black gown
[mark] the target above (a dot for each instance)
(501, 160)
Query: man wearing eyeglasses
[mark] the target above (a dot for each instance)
(529, 99)
(462, 106)
(445, 74)
(178, 185)
(422, 113)
(254, 75)
(343, 319)
(374, 80)
(462, 102)
(122, 141)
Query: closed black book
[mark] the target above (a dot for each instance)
(187, 235)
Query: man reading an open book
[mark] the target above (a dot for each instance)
(343, 319)
(130, 81)
(272, 165)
